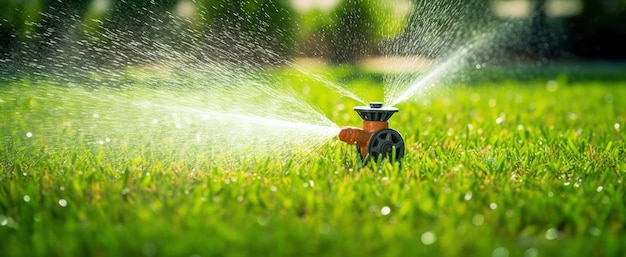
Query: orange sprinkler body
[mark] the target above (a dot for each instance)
(361, 137)
(375, 138)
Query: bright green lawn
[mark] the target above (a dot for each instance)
(504, 168)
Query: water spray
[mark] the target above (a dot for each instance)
(375, 140)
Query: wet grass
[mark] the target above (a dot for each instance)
(529, 167)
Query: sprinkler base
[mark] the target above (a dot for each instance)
(376, 140)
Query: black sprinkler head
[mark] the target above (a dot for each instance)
(375, 112)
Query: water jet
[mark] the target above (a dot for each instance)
(375, 140)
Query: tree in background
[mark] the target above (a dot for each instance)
(596, 31)
(544, 38)
(349, 29)
(18, 21)
(268, 31)
(352, 31)
(261, 30)
(437, 27)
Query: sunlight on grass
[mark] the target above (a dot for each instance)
(528, 168)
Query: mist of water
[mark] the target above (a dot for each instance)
(164, 84)
(456, 38)
(471, 55)
(328, 83)
(181, 122)
(397, 95)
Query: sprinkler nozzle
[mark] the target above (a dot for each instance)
(376, 105)
(375, 138)
(356, 136)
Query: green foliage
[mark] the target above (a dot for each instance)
(508, 167)
(437, 27)
(18, 20)
(352, 31)
(594, 30)
(271, 23)
(359, 25)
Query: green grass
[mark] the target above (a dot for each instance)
(504, 168)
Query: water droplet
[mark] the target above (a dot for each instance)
(8, 221)
(29, 134)
(63, 202)
(385, 211)
(493, 206)
(468, 196)
(428, 238)
(26, 198)
(500, 252)
(552, 234)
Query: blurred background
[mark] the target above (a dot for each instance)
(335, 31)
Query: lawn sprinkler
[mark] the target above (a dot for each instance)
(376, 140)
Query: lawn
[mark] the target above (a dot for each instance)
(512, 166)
